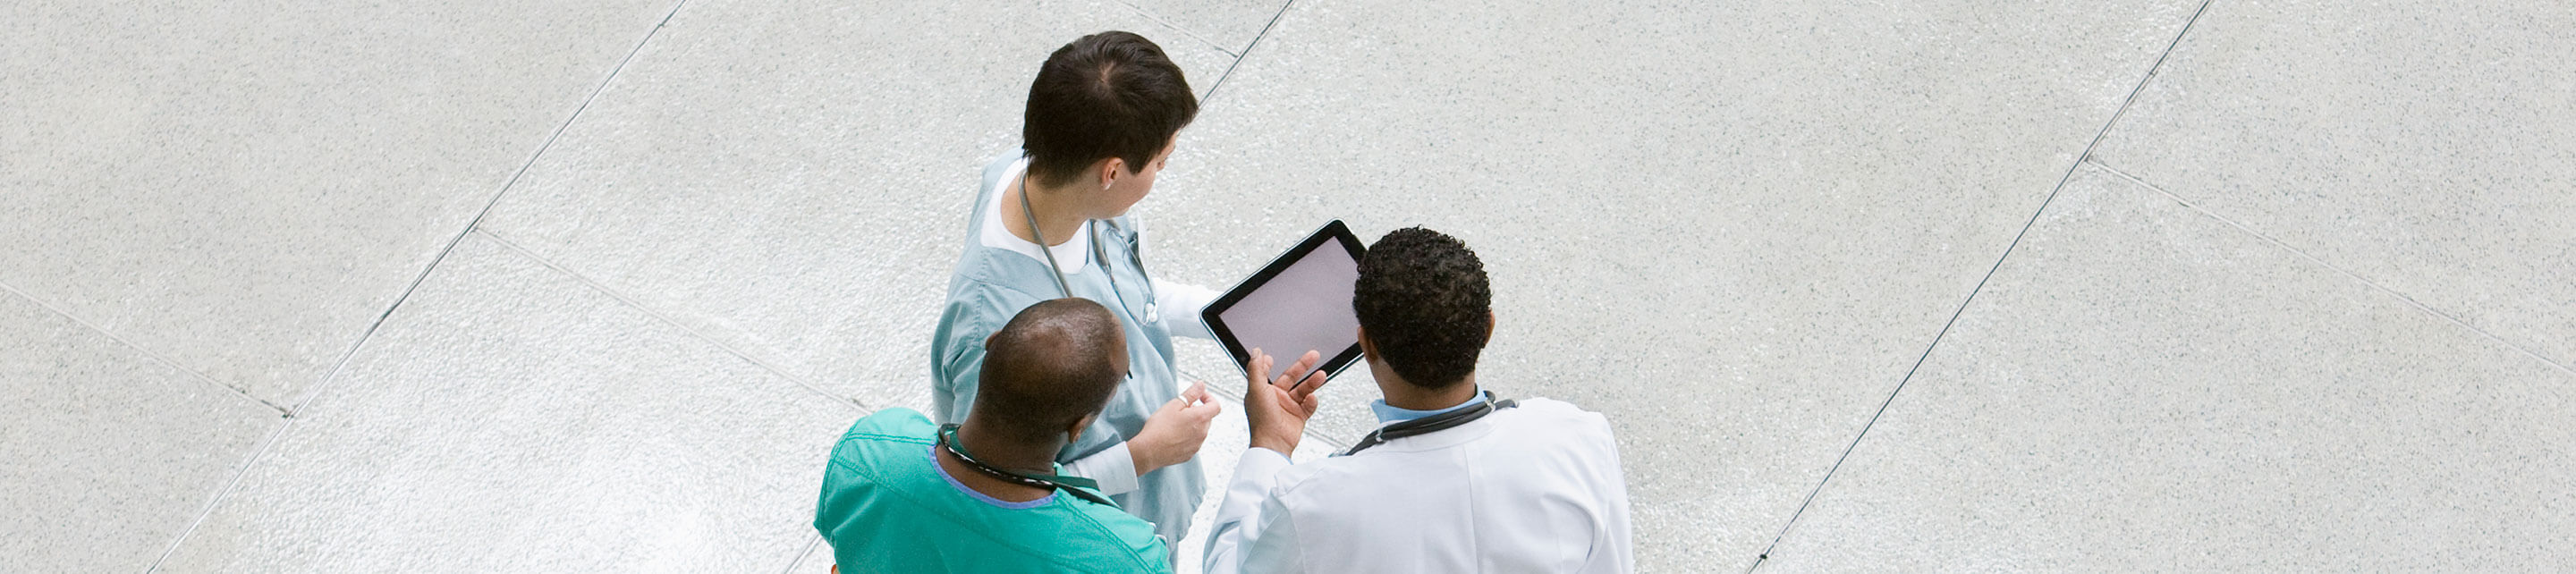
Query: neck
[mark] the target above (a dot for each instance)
(1404, 395)
(1008, 457)
(1014, 457)
(1056, 218)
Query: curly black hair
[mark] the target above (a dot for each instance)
(1424, 302)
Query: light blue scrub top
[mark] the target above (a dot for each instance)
(990, 285)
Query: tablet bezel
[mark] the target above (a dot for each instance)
(1333, 231)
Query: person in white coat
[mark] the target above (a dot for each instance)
(1457, 479)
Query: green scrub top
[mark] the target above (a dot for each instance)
(991, 285)
(887, 506)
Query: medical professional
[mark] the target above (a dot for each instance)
(1456, 480)
(1050, 221)
(904, 495)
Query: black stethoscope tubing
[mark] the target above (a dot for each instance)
(1430, 424)
(1069, 484)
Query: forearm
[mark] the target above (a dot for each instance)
(1115, 469)
(1241, 517)
(1182, 304)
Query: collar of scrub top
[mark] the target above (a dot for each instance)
(1070, 484)
(1431, 421)
(1152, 314)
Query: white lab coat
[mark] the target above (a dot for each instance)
(1530, 489)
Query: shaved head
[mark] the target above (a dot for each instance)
(1055, 363)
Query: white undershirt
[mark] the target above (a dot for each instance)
(1072, 253)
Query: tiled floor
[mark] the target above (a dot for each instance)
(1941, 285)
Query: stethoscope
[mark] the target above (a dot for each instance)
(1153, 312)
(1430, 424)
(1057, 482)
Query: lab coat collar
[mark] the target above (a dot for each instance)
(1389, 414)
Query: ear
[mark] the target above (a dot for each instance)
(1110, 170)
(1368, 348)
(1489, 325)
(1079, 425)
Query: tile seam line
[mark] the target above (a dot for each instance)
(208, 508)
(666, 319)
(147, 353)
(2314, 260)
(292, 416)
(1167, 23)
(1247, 51)
(801, 555)
(486, 211)
(1962, 309)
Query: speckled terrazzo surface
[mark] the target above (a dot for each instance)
(1950, 285)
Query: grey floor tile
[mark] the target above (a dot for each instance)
(814, 560)
(1731, 228)
(246, 188)
(2143, 387)
(1228, 25)
(111, 453)
(2430, 150)
(511, 418)
(794, 181)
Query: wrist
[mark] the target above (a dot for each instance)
(1142, 458)
(1284, 446)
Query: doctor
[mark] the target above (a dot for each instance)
(1051, 221)
(1457, 479)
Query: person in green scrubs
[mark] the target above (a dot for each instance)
(904, 495)
(1050, 221)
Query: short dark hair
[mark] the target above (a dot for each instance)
(1111, 94)
(1423, 300)
(1054, 363)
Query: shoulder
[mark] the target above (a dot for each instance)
(881, 434)
(872, 461)
(1000, 165)
(1555, 408)
(978, 305)
(1556, 411)
(896, 425)
(1555, 418)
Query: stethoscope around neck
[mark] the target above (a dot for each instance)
(1430, 424)
(1069, 484)
(1153, 314)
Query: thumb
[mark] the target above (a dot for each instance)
(1203, 412)
(1255, 394)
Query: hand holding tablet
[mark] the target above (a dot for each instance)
(1301, 301)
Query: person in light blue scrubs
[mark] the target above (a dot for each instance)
(1050, 221)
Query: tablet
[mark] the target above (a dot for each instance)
(1299, 302)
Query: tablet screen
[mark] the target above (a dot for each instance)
(1300, 302)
